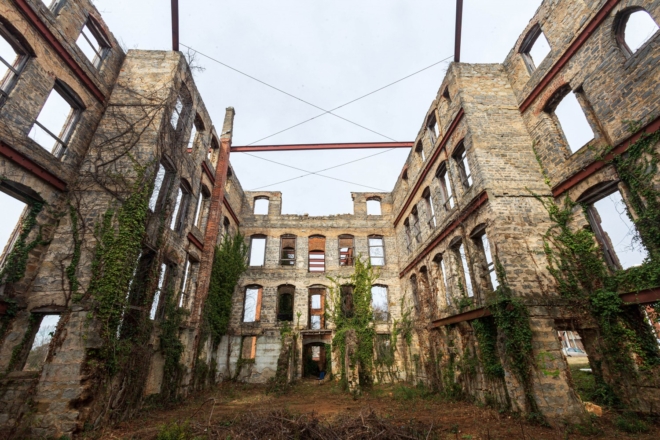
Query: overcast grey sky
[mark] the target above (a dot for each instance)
(326, 52)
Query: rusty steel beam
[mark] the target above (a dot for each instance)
(583, 174)
(459, 31)
(175, 25)
(308, 147)
(28, 164)
(59, 49)
(644, 297)
(600, 17)
(481, 312)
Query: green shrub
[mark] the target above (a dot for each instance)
(630, 423)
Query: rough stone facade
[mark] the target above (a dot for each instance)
(490, 148)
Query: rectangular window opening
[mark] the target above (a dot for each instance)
(345, 250)
(258, 251)
(56, 122)
(376, 251)
(252, 306)
(155, 304)
(288, 250)
(466, 271)
(445, 188)
(92, 43)
(463, 167)
(10, 228)
(380, 303)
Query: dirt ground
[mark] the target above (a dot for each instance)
(212, 414)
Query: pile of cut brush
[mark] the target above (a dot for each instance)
(281, 425)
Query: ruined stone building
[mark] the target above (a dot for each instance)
(528, 206)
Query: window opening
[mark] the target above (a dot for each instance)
(288, 250)
(285, 303)
(635, 30)
(12, 212)
(347, 306)
(252, 306)
(261, 205)
(415, 291)
(161, 181)
(376, 250)
(572, 120)
(460, 156)
(198, 125)
(463, 264)
(257, 250)
(214, 152)
(446, 94)
(415, 225)
(420, 151)
(407, 235)
(379, 303)
(615, 231)
(316, 308)
(183, 297)
(445, 187)
(346, 250)
(432, 130)
(373, 206)
(159, 291)
(226, 225)
(384, 351)
(536, 48)
(317, 253)
(176, 112)
(249, 350)
(446, 284)
(92, 43)
(39, 350)
(13, 58)
(59, 114)
(316, 352)
(180, 209)
(490, 264)
(429, 208)
(202, 208)
(54, 5)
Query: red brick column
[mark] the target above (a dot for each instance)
(213, 223)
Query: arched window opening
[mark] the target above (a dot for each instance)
(486, 256)
(317, 253)
(57, 119)
(226, 226)
(13, 57)
(569, 115)
(461, 264)
(93, 43)
(202, 208)
(261, 205)
(614, 230)
(257, 251)
(535, 48)
(214, 152)
(162, 181)
(197, 127)
(441, 269)
(460, 156)
(288, 250)
(376, 250)
(414, 224)
(432, 130)
(446, 193)
(181, 205)
(380, 303)
(317, 308)
(407, 235)
(419, 149)
(252, 305)
(346, 250)
(188, 283)
(167, 274)
(414, 288)
(285, 296)
(634, 29)
(41, 336)
(430, 210)
(373, 206)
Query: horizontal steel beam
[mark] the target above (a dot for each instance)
(307, 147)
